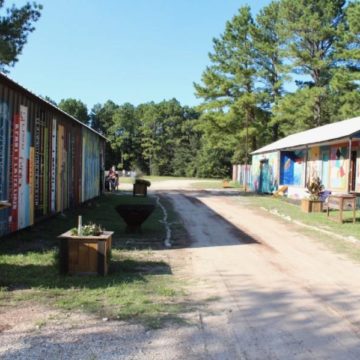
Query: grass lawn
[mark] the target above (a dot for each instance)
(318, 220)
(140, 285)
(214, 184)
(129, 180)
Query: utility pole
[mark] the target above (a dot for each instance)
(246, 151)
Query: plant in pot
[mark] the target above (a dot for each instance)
(312, 203)
(85, 249)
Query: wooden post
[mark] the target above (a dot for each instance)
(306, 164)
(349, 167)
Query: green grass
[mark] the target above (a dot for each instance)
(129, 180)
(317, 220)
(140, 285)
(214, 184)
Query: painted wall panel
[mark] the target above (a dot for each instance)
(15, 174)
(5, 127)
(264, 172)
(23, 178)
(314, 168)
(292, 170)
(48, 161)
(339, 167)
(53, 165)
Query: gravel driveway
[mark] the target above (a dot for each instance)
(259, 288)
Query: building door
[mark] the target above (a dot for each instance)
(264, 177)
(353, 170)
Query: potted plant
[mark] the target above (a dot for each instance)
(85, 250)
(313, 203)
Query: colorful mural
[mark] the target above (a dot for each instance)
(314, 168)
(325, 168)
(292, 167)
(242, 174)
(338, 167)
(329, 162)
(264, 172)
(5, 128)
(48, 162)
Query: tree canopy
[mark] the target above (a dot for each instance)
(292, 67)
(309, 46)
(75, 108)
(16, 23)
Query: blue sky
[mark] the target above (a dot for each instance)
(124, 50)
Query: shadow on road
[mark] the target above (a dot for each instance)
(204, 226)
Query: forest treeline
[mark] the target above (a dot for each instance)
(294, 66)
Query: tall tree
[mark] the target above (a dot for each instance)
(161, 126)
(75, 108)
(345, 80)
(311, 30)
(101, 116)
(102, 119)
(125, 138)
(16, 23)
(232, 113)
(269, 57)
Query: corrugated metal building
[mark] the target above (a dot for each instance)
(331, 152)
(49, 161)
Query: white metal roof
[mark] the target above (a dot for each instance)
(334, 131)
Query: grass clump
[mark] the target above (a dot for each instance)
(317, 220)
(140, 285)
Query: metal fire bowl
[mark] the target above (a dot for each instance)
(134, 215)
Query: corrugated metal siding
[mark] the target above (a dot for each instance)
(91, 165)
(243, 174)
(48, 161)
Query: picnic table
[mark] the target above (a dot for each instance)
(341, 202)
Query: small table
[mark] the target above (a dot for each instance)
(85, 254)
(341, 202)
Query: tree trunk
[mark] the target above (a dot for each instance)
(317, 111)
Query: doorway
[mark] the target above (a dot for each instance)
(264, 186)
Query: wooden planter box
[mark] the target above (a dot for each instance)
(311, 205)
(139, 189)
(85, 254)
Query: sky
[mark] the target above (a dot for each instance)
(122, 50)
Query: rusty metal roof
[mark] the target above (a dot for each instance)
(2, 75)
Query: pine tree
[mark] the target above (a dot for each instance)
(229, 89)
(311, 31)
(271, 73)
(15, 27)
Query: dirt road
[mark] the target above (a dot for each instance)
(258, 289)
(277, 294)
